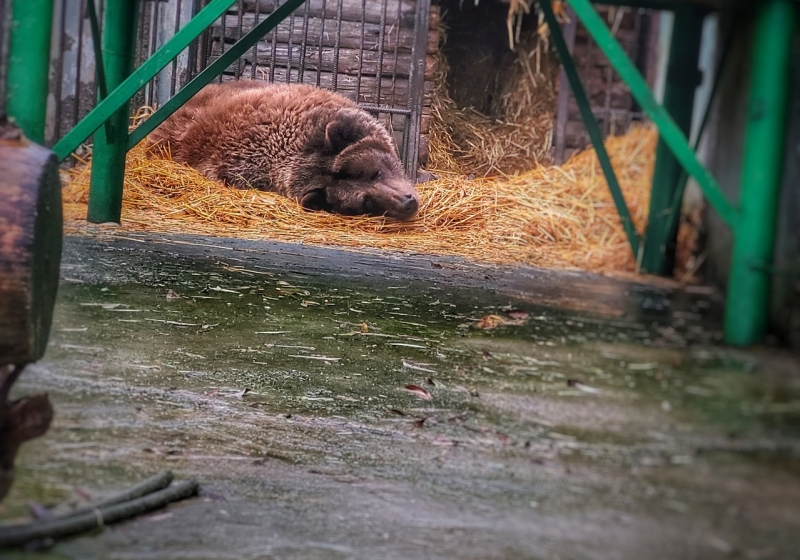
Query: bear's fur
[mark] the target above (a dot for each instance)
(300, 141)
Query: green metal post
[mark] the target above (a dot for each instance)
(111, 142)
(28, 65)
(213, 70)
(747, 308)
(591, 126)
(139, 77)
(671, 134)
(683, 77)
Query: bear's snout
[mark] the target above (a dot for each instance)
(399, 200)
(410, 203)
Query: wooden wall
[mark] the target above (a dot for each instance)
(304, 48)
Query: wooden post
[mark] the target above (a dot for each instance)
(30, 255)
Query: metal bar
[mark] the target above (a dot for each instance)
(416, 86)
(100, 70)
(562, 104)
(274, 50)
(29, 65)
(76, 105)
(670, 132)
(683, 77)
(102, 84)
(336, 45)
(222, 37)
(381, 40)
(747, 309)
(111, 142)
(361, 50)
(289, 49)
(673, 214)
(385, 109)
(396, 43)
(174, 77)
(303, 44)
(240, 23)
(591, 124)
(154, 10)
(139, 77)
(254, 64)
(59, 69)
(321, 35)
(204, 77)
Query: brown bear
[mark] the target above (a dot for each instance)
(303, 142)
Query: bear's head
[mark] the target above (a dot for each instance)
(351, 168)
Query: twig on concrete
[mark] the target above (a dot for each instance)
(20, 534)
(143, 488)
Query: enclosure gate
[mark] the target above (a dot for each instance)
(364, 50)
(752, 222)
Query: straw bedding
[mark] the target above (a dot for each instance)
(556, 217)
(486, 204)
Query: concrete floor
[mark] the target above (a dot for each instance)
(603, 420)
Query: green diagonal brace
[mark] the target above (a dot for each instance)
(140, 77)
(591, 125)
(212, 70)
(670, 133)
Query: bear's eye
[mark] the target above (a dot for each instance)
(377, 176)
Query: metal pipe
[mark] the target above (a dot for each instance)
(29, 65)
(747, 308)
(683, 77)
(111, 143)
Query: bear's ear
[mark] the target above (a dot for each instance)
(344, 130)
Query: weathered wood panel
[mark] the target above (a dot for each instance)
(390, 95)
(402, 11)
(350, 36)
(349, 60)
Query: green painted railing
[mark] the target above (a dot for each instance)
(139, 77)
(591, 126)
(753, 223)
(214, 69)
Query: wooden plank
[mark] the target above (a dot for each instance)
(348, 63)
(351, 10)
(350, 37)
(346, 85)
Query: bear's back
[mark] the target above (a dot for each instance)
(223, 124)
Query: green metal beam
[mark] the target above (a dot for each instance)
(111, 141)
(214, 69)
(671, 134)
(29, 65)
(127, 89)
(683, 77)
(591, 125)
(747, 308)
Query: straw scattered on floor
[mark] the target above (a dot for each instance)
(557, 217)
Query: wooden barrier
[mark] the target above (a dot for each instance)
(30, 255)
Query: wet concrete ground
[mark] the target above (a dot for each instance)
(602, 419)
